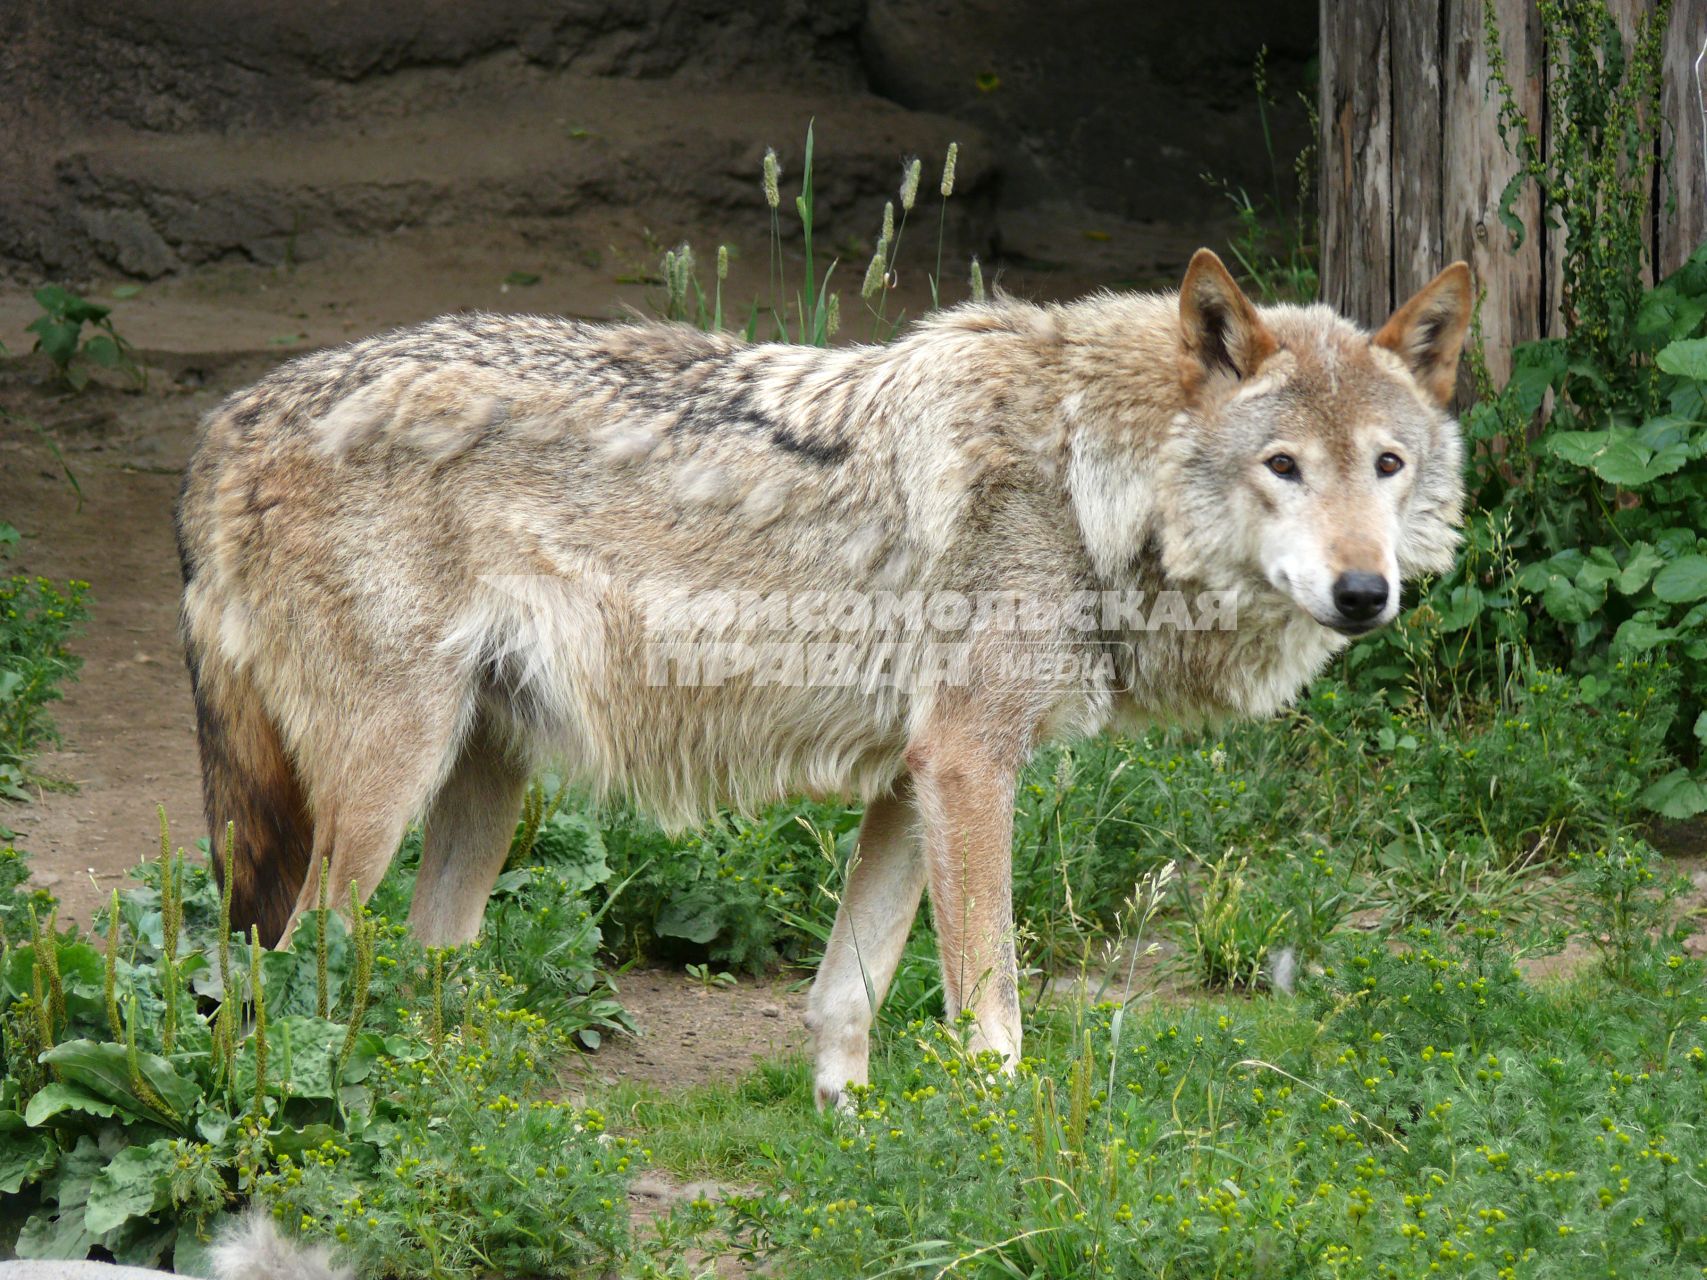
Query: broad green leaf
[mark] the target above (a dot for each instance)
(1701, 728)
(1639, 635)
(102, 350)
(25, 1153)
(1630, 463)
(53, 298)
(1463, 606)
(101, 1068)
(293, 1142)
(1677, 795)
(1687, 401)
(1528, 388)
(140, 1242)
(1684, 579)
(1678, 541)
(1578, 447)
(133, 1183)
(304, 1051)
(57, 1098)
(57, 1230)
(1666, 429)
(290, 973)
(1618, 455)
(1639, 569)
(56, 339)
(696, 915)
(364, 1053)
(1600, 569)
(1686, 357)
(1534, 577)
(1570, 603)
(1664, 314)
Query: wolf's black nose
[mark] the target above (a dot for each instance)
(1360, 597)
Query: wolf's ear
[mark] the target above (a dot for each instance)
(1220, 331)
(1427, 333)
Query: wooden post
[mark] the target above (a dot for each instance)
(1419, 239)
(1357, 171)
(1413, 165)
(1508, 273)
(1683, 223)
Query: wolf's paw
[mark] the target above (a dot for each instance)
(843, 1055)
(832, 1096)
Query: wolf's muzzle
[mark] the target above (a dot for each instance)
(1360, 599)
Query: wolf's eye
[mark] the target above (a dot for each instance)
(1389, 464)
(1284, 466)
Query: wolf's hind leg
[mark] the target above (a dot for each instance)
(366, 778)
(468, 830)
(878, 904)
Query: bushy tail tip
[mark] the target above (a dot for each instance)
(252, 1248)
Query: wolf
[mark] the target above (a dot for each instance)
(420, 567)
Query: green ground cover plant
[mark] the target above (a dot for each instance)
(1421, 1109)
(159, 1071)
(60, 336)
(37, 620)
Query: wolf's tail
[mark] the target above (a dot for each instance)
(249, 784)
(251, 1248)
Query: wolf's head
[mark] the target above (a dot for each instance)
(1313, 458)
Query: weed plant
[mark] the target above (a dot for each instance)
(160, 1070)
(37, 620)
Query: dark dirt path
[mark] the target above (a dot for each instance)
(128, 734)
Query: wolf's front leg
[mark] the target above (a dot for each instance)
(965, 790)
(878, 904)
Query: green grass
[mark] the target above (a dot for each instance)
(1419, 1110)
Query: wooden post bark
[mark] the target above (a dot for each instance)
(1683, 221)
(1507, 271)
(1413, 164)
(1357, 170)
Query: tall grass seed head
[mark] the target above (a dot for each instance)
(773, 197)
(722, 262)
(910, 184)
(948, 170)
(977, 281)
(875, 271)
(888, 221)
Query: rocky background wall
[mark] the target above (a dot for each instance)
(149, 136)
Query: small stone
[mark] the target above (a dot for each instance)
(770, 1011)
(704, 1191)
(649, 1186)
